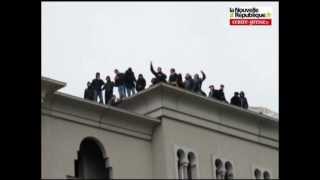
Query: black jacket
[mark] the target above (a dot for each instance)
(244, 102)
(220, 95)
(235, 100)
(179, 81)
(214, 94)
(173, 78)
(160, 77)
(97, 84)
(89, 93)
(119, 79)
(108, 87)
(140, 84)
(130, 79)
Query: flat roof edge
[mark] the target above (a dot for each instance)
(211, 100)
(53, 81)
(108, 107)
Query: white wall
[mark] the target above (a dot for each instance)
(205, 143)
(129, 157)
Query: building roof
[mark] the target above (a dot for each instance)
(204, 98)
(266, 111)
(164, 101)
(52, 85)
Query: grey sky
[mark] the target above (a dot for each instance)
(82, 38)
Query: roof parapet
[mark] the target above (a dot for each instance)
(50, 86)
(205, 99)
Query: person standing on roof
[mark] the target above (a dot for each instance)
(89, 92)
(119, 81)
(197, 83)
(213, 93)
(159, 75)
(188, 82)
(108, 90)
(235, 100)
(96, 84)
(220, 94)
(243, 99)
(141, 83)
(180, 83)
(173, 78)
(130, 81)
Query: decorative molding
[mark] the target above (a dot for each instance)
(226, 131)
(165, 88)
(96, 124)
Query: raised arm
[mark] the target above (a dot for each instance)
(152, 70)
(203, 75)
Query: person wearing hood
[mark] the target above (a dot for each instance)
(141, 83)
(243, 99)
(89, 92)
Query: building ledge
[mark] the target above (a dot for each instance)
(166, 87)
(49, 86)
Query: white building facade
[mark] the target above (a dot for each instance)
(161, 132)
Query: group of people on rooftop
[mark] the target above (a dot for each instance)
(127, 85)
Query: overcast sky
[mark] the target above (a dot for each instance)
(82, 38)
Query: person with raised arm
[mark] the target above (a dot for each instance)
(159, 75)
(197, 83)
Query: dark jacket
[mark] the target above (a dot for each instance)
(214, 94)
(108, 87)
(179, 81)
(97, 84)
(141, 84)
(130, 79)
(235, 100)
(173, 78)
(89, 93)
(197, 83)
(160, 77)
(119, 79)
(244, 102)
(220, 95)
(188, 84)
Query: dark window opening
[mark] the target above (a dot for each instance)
(257, 174)
(266, 175)
(91, 163)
